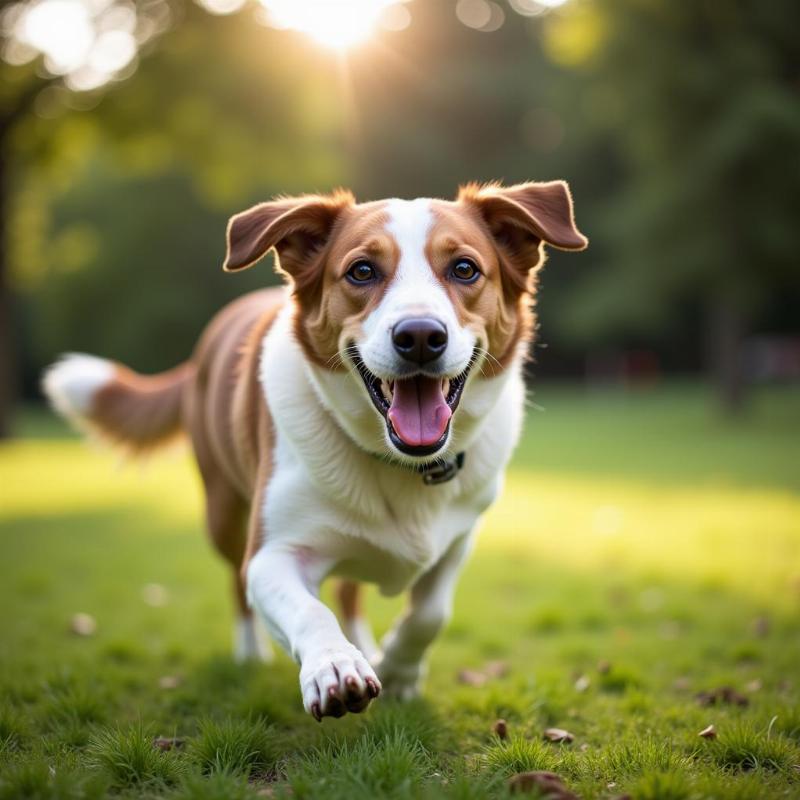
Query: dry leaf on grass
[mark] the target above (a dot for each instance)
(500, 729)
(604, 667)
(166, 743)
(558, 735)
(471, 677)
(496, 669)
(155, 595)
(708, 733)
(545, 784)
(479, 677)
(83, 625)
(169, 681)
(582, 683)
(725, 695)
(271, 791)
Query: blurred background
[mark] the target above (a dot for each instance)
(130, 130)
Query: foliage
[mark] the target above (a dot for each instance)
(700, 102)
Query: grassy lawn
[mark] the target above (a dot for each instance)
(643, 552)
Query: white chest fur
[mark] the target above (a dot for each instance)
(370, 519)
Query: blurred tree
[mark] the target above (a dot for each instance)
(49, 50)
(702, 101)
(227, 115)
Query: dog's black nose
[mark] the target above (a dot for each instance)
(419, 339)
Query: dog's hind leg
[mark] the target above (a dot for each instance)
(355, 625)
(402, 664)
(226, 515)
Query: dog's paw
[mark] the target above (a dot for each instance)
(334, 682)
(402, 681)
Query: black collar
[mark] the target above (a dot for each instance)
(442, 471)
(435, 472)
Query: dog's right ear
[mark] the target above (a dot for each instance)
(297, 227)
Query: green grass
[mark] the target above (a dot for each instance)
(643, 551)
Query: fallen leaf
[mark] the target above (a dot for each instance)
(582, 683)
(604, 667)
(761, 626)
(725, 695)
(472, 677)
(756, 685)
(479, 677)
(584, 747)
(545, 784)
(496, 669)
(671, 629)
(708, 733)
(155, 595)
(682, 683)
(166, 743)
(558, 735)
(169, 681)
(500, 729)
(83, 625)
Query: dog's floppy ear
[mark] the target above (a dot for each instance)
(297, 227)
(522, 217)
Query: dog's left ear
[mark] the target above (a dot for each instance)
(297, 227)
(523, 217)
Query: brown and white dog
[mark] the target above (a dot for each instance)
(356, 423)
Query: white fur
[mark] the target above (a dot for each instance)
(72, 383)
(341, 502)
(414, 291)
(331, 508)
(359, 632)
(249, 642)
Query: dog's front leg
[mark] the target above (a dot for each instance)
(401, 667)
(282, 586)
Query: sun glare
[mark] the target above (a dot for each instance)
(338, 24)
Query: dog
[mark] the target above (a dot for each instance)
(356, 422)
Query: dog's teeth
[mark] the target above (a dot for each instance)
(387, 390)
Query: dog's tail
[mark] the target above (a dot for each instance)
(138, 412)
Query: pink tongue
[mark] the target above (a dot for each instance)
(419, 413)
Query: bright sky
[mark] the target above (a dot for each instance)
(337, 23)
(86, 41)
(90, 42)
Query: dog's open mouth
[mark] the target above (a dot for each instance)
(417, 409)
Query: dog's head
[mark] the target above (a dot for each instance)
(411, 297)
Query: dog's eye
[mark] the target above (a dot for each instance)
(465, 271)
(361, 272)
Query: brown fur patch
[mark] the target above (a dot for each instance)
(140, 412)
(327, 321)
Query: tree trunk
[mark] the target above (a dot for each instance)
(8, 371)
(727, 328)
